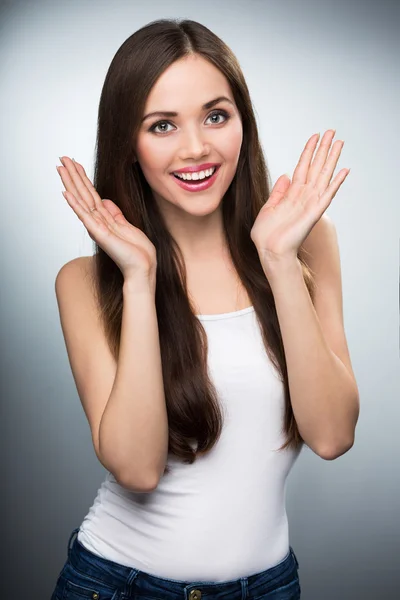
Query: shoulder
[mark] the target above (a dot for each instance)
(92, 362)
(82, 266)
(83, 263)
(75, 279)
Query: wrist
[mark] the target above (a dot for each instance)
(278, 268)
(138, 285)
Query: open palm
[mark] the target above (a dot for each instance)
(293, 208)
(126, 244)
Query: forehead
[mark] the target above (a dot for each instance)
(187, 84)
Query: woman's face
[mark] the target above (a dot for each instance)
(194, 136)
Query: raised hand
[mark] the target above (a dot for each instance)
(294, 207)
(127, 245)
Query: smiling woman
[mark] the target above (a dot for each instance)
(193, 138)
(181, 336)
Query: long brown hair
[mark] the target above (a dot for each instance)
(192, 404)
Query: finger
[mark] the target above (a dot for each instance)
(320, 156)
(329, 167)
(332, 189)
(77, 182)
(91, 219)
(115, 211)
(98, 229)
(110, 206)
(102, 206)
(301, 170)
(88, 184)
(74, 180)
(278, 191)
(70, 187)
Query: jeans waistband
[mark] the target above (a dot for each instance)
(123, 576)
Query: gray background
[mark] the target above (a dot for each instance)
(310, 66)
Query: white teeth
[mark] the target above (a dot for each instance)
(196, 175)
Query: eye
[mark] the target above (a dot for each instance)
(159, 124)
(219, 113)
(215, 113)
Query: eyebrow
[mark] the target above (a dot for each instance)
(205, 106)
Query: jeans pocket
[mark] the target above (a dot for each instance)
(77, 586)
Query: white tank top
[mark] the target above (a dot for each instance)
(224, 516)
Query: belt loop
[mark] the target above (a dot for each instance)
(294, 556)
(69, 546)
(244, 585)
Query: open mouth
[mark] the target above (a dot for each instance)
(198, 184)
(209, 171)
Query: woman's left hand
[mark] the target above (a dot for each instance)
(293, 208)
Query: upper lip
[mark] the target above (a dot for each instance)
(195, 168)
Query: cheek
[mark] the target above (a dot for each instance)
(152, 153)
(232, 141)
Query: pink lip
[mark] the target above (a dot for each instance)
(197, 187)
(202, 167)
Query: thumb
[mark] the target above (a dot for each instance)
(279, 190)
(114, 210)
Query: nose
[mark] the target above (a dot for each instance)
(194, 145)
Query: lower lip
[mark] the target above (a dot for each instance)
(197, 187)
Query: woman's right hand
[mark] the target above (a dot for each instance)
(127, 245)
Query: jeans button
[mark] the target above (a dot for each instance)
(195, 595)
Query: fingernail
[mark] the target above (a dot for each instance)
(61, 160)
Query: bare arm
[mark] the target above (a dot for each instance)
(133, 431)
(123, 400)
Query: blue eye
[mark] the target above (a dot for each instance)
(219, 112)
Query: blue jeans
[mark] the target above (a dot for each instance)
(86, 575)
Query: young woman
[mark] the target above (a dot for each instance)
(205, 335)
